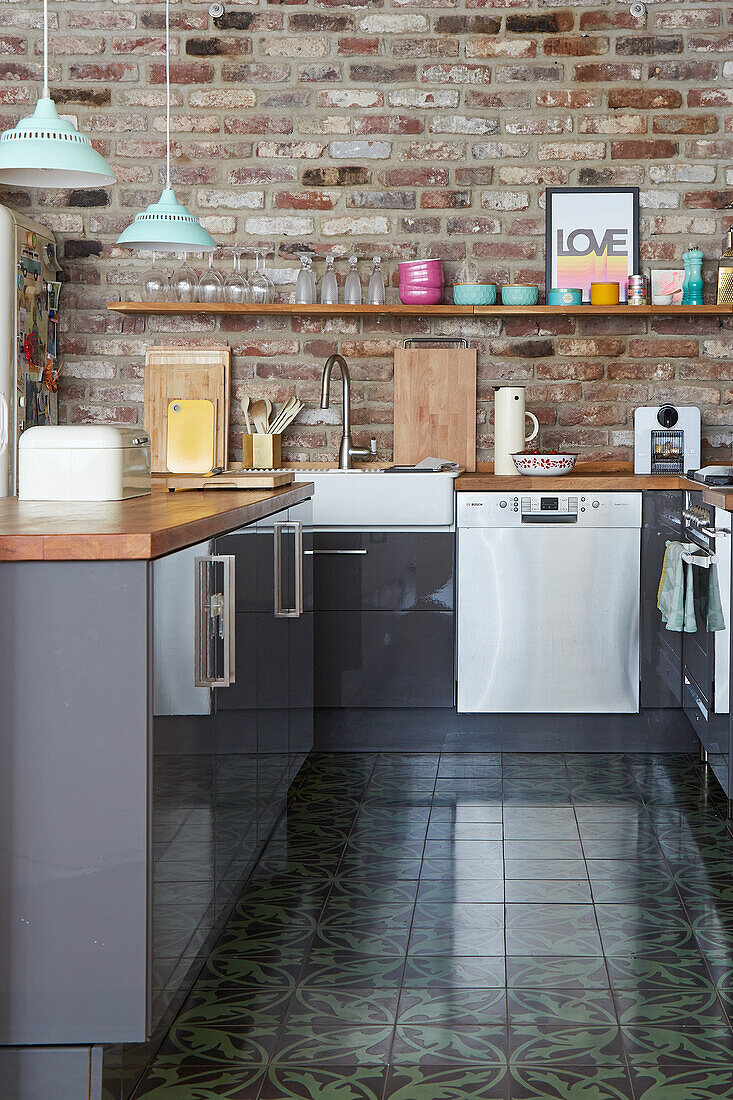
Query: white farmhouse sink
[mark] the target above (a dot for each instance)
(359, 498)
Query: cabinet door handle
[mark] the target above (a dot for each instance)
(215, 663)
(335, 552)
(296, 610)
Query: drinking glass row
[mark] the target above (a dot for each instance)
(236, 288)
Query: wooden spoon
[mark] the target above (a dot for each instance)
(245, 409)
(258, 412)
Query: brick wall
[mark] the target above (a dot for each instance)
(409, 129)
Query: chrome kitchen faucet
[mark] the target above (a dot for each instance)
(347, 451)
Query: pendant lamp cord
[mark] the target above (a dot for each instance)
(167, 95)
(45, 49)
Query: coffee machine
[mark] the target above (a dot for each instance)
(666, 439)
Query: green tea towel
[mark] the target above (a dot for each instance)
(674, 596)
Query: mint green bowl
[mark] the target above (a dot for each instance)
(474, 294)
(520, 295)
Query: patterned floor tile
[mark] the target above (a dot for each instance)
(332, 1082)
(567, 930)
(550, 1045)
(680, 1082)
(450, 1082)
(660, 1046)
(167, 1080)
(545, 868)
(327, 1007)
(466, 891)
(347, 1044)
(672, 1007)
(355, 969)
(587, 1007)
(436, 1044)
(529, 1082)
(457, 1007)
(543, 890)
(437, 972)
(556, 972)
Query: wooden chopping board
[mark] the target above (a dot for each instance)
(435, 405)
(191, 373)
(230, 479)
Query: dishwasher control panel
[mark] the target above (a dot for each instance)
(578, 509)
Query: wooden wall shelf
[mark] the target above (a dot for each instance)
(285, 309)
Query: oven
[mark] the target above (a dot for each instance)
(706, 654)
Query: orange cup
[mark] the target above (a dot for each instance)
(604, 294)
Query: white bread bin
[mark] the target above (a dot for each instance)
(83, 462)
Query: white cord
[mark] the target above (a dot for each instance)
(167, 95)
(45, 49)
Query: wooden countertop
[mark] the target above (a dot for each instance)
(568, 483)
(138, 528)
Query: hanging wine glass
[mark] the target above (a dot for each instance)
(259, 285)
(155, 284)
(184, 282)
(271, 285)
(210, 287)
(236, 287)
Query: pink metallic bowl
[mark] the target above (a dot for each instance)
(420, 295)
(421, 272)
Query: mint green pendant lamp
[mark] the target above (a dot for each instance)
(167, 225)
(48, 151)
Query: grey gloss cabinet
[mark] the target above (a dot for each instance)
(384, 620)
(661, 649)
(128, 816)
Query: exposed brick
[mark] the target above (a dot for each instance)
(597, 73)
(571, 100)
(183, 72)
(644, 99)
(541, 23)
(415, 177)
(456, 74)
(643, 150)
(467, 24)
(710, 97)
(685, 124)
(576, 45)
(382, 74)
(381, 200)
(304, 200)
(611, 177)
(490, 46)
(613, 124)
(571, 150)
(388, 124)
(358, 47)
(709, 200)
(335, 176)
(683, 70)
(435, 200)
(649, 45)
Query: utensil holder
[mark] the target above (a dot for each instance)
(261, 452)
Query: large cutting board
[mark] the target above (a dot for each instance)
(435, 405)
(195, 373)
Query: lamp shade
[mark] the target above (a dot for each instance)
(167, 226)
(48, 151)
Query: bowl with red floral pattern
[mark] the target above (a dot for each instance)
(544, 463)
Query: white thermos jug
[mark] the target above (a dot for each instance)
(509, 433)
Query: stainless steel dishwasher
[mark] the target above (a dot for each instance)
(548, 602)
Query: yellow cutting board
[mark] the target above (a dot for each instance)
(190, 437)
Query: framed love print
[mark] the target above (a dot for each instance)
(592, 236)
